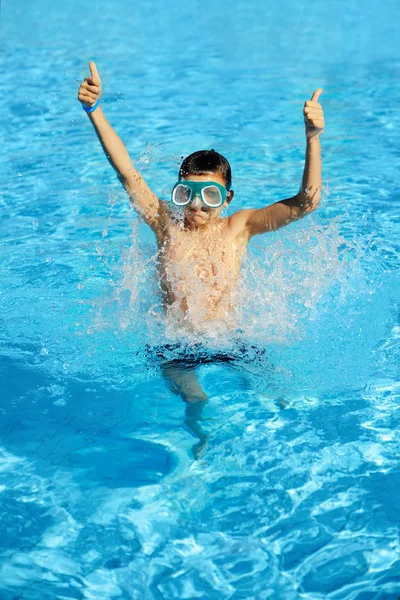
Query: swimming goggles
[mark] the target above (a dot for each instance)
(211, 193)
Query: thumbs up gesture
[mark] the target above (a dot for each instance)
(313, 115)
(90, 88)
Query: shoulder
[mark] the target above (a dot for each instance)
(166, 225)
(160, 220)
(238, 223)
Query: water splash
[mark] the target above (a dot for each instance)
(288, 281)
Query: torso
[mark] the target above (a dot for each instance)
(199, 270)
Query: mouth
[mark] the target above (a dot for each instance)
(198, 213)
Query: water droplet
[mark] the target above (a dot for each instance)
(60, 402)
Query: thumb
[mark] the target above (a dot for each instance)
(93, 71)
(316, 95)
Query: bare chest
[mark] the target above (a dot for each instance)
(209, 257)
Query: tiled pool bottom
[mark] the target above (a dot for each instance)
(294, 498)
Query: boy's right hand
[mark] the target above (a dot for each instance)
(90, 88)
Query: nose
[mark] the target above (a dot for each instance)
(196, 203)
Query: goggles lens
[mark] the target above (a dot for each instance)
(181, 195)
(212, 196)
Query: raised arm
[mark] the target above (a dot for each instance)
(145, 202)
(286, 211)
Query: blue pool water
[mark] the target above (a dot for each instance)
(296, 495)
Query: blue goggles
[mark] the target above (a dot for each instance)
(213, 194)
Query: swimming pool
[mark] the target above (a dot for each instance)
(296, 493)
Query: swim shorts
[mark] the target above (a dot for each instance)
(190, 356)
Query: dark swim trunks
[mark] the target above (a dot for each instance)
(185, 356)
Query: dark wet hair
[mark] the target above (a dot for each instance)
(204, 162)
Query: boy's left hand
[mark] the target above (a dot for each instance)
(313, 115)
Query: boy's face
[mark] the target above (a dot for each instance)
(197, 214)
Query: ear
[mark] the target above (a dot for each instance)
(229, 196)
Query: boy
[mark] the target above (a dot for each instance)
(200, 252)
